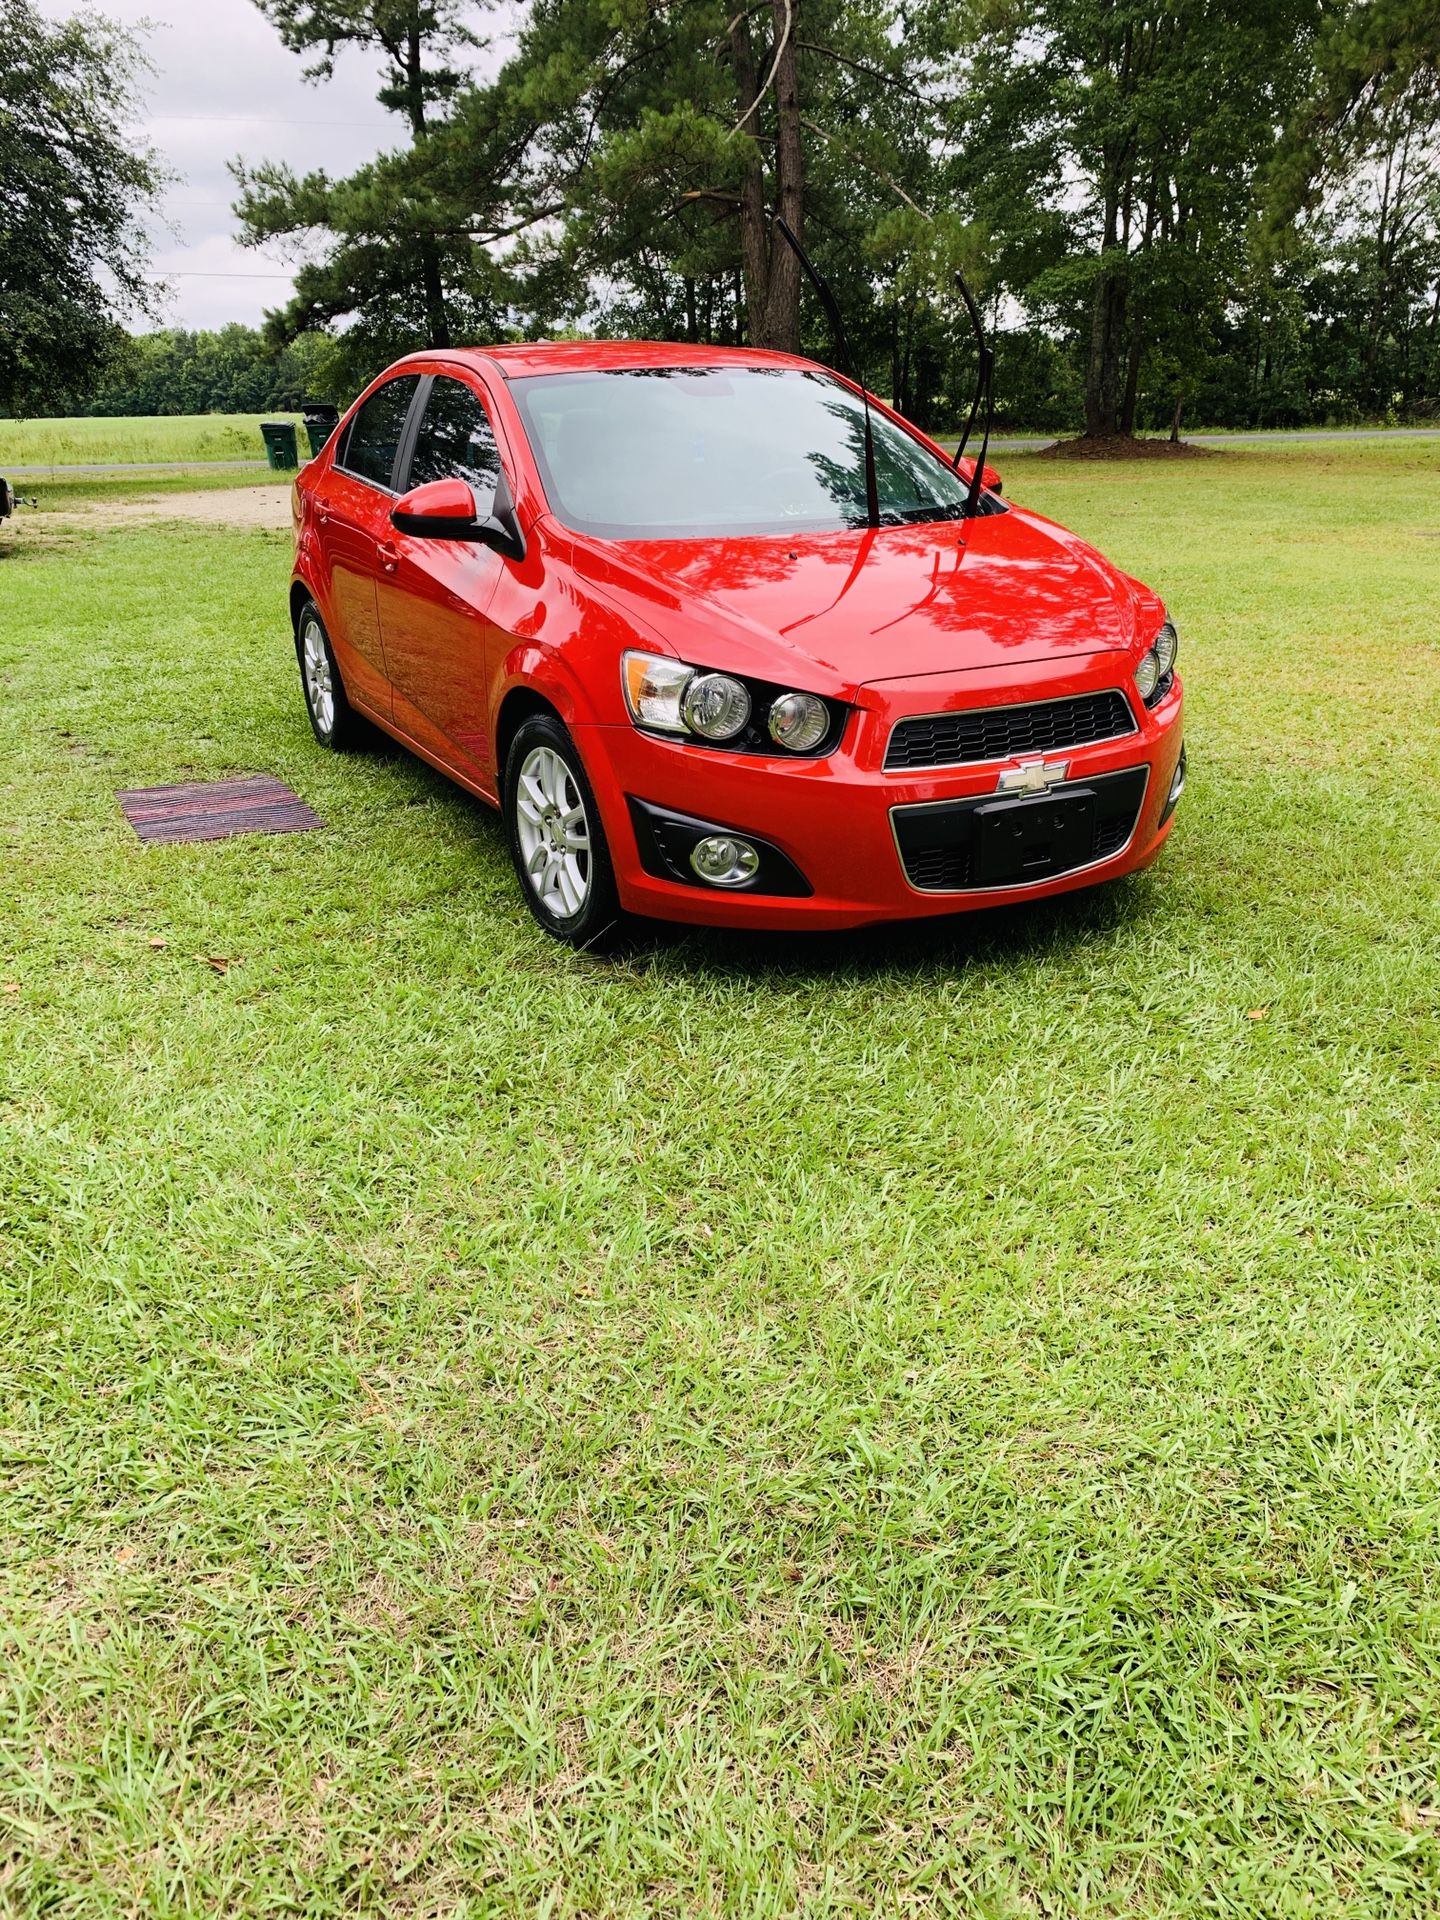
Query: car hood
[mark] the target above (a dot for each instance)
(867, 605)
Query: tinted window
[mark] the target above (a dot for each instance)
(375, 431)
(666, 452)
(455, 440)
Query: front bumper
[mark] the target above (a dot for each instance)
(836, 819)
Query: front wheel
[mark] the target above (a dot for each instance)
(556, 840)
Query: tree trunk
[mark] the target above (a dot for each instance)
(754, 239)
(437, 319)
(1132, 376)
(432, 286)
(771, 272)
(1175, 423)
(782, 296)
(1102, 377)
(1107, 329)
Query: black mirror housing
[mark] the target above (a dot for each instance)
(501, 531)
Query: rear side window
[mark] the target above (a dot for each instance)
(374, 437)
(456, 441)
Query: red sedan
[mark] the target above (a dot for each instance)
(714, 658)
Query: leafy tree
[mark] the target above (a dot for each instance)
(663, 140)
(1096, 165)
(658, 139)
(72, 253)
(1125, 141)
(235, 370)
(402, 260)
(1366, 54)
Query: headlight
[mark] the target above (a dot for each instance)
(799, 722)
(654, 687)
(715, 706)
(725, 710)
(1157, 665)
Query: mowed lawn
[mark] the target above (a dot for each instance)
(142, 439)
(936, 1422)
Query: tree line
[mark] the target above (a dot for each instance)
(1218, 211)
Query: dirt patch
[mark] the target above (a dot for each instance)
(1118, 446)
(239, 507)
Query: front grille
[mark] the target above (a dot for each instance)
(936, 842)
(1002, 733)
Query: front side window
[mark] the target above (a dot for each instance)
(659, 453)
(374, 438)
(456, 441)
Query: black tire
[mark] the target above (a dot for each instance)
(336, 725)
(596, 923)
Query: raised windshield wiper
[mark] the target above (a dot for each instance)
(837, 327)
(984, 389)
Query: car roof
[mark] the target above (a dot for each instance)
(589, 356)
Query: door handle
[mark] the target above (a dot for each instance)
(389, 558)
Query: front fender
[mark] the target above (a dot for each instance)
(539, 669)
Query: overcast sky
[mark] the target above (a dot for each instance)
(223, 87)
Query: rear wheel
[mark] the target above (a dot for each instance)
(556, 839)
(333, 719)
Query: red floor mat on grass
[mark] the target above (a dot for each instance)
(214, 809)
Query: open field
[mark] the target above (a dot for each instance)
(89, 442)
(218, 436)
(942, 1422)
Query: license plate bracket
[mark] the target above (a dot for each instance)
(1025, 840)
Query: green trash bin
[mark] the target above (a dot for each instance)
(281, 449)
(321, 420)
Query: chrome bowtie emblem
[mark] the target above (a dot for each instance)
(1033, 776)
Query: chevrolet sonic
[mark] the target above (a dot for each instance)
(727, 641)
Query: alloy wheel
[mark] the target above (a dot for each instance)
(315, 664)
(554, 833)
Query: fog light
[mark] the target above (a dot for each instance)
(724, 861)
(1177, 785)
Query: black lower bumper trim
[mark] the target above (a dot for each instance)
(666, 840)
(1177, 787)
(938, 841)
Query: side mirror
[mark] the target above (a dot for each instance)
(446, 510)
(990, 479)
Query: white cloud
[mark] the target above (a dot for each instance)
(224, 87)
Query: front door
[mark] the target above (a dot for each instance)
(433, 602)
(353, 509)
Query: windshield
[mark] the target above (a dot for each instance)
(656, 453)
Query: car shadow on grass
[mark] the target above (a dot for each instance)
(992, 936)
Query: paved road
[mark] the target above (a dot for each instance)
(1229, 439)
(996, 446)
(59, 472)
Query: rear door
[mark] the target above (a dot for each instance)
(433, 604)
(353, 511)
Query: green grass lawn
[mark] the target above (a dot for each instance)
(90, 442)
(937, 1422)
